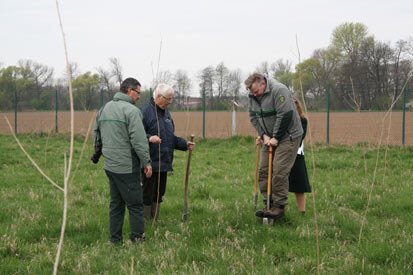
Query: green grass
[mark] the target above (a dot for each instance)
(222, 235)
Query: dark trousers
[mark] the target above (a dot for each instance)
(150, 188)
(125, 189)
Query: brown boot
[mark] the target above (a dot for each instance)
(147, 209)
(275, 213)
(154, 213)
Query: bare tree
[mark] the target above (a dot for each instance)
(74, 72)
(116, 69)
(206, 81)
(265, 69)
(222, 80)
(401, 64)
(40, 75)
(182, 85)
(281, 66)
(281, 71)
(106, 83)
(165, 77)
(329, 60)
(235, 83)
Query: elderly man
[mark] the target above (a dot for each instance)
(121, 138)
(160, 128)
(274, 116)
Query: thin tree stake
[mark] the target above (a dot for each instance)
(313, 162)
(159, 60)
(159, 168)
(159, 135)
(72, 122)
(131, 268)
(62, 231)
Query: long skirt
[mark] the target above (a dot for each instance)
(298, 179)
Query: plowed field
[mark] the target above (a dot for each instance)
(345, 128)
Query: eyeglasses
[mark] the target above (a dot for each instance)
(167, 99)
(135, 91)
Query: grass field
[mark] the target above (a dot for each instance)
(222, 235)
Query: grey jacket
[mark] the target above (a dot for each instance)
(275, 114)
(120, 132)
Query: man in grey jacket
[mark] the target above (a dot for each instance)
(120, 137)
(274, 116)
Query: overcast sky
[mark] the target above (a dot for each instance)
(194, 34)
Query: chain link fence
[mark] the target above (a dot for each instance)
(49, 113)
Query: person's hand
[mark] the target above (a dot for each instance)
(95, 158)
(266, 140)
(148, 171)
(258, 141)
(155, 139)
(190, 145)
(273, 142)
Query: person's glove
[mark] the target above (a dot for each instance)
(95, 158)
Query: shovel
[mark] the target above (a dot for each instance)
(185, 214)
(267, 220)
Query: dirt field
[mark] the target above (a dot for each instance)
(345, 128)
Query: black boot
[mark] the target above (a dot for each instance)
(147, 209)
(261, 213)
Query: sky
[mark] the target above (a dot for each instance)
(194, 34)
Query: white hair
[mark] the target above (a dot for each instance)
(163, 89)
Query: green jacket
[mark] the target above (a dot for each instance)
(275, 114)
(119, 130)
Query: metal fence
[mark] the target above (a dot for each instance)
(327, 127)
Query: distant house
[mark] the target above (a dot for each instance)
(193, 102)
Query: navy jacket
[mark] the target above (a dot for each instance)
(170, 142)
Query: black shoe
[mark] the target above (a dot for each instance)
(261, 213)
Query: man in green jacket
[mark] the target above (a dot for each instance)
(120, 137)
(273, 114)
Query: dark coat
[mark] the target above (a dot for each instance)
(170, 142)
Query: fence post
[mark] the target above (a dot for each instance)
(150, 93)
(234, 119)
(328, 114)
(57, 110)
(101, 98)
(15, 109)
(404, 114)
(203, 112)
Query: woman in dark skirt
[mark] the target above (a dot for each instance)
(298, 179)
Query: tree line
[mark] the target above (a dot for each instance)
(361, 72)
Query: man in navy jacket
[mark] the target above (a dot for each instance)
(156, 113)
